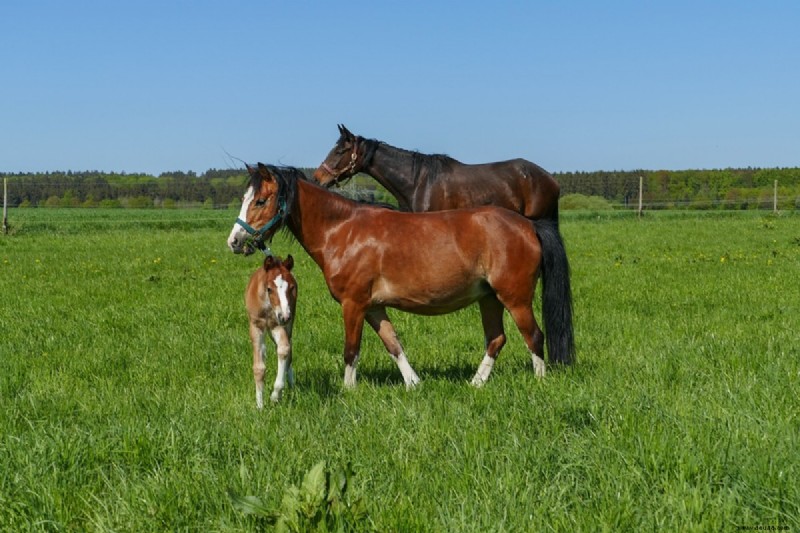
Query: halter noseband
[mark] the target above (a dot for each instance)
(348, 169)
(258, 234)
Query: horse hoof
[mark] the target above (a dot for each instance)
(275, 396)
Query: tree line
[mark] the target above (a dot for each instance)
(747, 188)
(742, 188)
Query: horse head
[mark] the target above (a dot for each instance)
(262, 213)
(346, 159)
(281, 287)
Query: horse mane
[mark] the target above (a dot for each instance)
(429, 164)
(287, 188)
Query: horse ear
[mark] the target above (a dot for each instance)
(251, 170)
(288, 262)
(265, 173)
(344, 131)
(269, 262)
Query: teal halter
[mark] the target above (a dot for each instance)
(258, 234)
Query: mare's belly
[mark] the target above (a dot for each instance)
(428, 300)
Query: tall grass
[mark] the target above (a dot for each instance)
(127, 396)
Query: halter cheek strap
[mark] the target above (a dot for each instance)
(258, 234)
(346, 170)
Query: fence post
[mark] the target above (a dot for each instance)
(775, 197)
(641, 186)
(5, 206)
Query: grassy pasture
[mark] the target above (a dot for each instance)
(128, 404)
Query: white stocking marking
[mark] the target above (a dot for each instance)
(409, 376)
(539, 367)
(283, 349)
(482, 375)
(350, 374)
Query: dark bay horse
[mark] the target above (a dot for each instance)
(423, 182)
(425, 263)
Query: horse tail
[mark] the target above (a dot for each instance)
(556, 293)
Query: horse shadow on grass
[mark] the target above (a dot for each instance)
(329, 385)
(391, 376)
(332, 385)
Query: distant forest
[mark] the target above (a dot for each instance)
(748, 188)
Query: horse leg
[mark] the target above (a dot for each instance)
(353, 315)
(379, 320)
(494, 336)
(284, 349)
(531, 333)
(289, 366)
(259, 364)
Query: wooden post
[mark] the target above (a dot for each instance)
(5, 206)
(775, 197)
(641, 186)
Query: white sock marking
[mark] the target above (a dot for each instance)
(409, 376)
(539, 368)
(482, 375)
(350, 374)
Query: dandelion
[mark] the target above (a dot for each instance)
(157, 260)
(213, 261)
(722, 259)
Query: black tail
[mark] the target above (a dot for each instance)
(556, 293)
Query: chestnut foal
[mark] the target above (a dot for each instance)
(270, 298)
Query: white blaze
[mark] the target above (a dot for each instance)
(236, 232)
(283, 295)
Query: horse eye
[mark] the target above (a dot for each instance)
(260, 202)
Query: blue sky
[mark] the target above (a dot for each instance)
(155, 86)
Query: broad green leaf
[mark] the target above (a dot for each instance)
(313, 488)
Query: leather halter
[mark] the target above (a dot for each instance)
(349, 169)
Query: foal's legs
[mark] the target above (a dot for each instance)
(494, 336)
(283, 343)
(379, 320)
(353, 315)
(259, 364)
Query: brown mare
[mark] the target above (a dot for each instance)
(423, 182)
(425, 263)
(270, 299)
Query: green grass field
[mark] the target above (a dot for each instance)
(128, 405)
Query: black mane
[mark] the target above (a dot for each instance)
(287, 187)
(431, 165)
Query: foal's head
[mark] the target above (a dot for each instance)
(263, 211)
(346, 159)
(281, 287)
